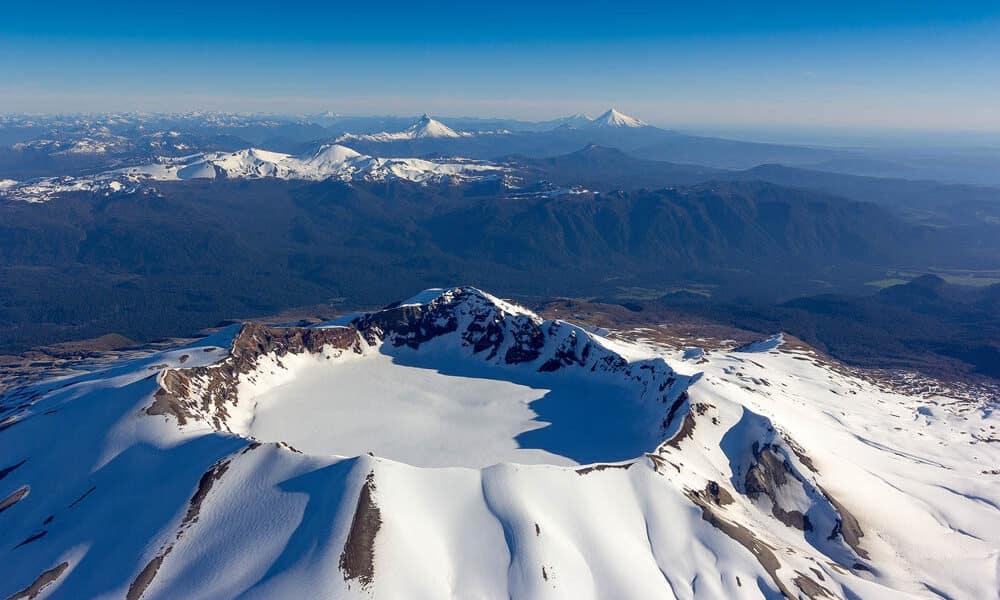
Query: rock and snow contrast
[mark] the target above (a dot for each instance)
(454, 445)
(330, 161)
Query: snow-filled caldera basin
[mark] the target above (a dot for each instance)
(438, 407)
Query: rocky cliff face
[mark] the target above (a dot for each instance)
(205, 392)
(489, 329)
(774, 475)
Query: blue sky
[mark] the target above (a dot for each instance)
(892, 65)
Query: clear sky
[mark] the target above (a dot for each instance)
(908, 65)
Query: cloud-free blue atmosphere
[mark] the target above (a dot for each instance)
(889, 65)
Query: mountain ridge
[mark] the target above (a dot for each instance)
(741, 467)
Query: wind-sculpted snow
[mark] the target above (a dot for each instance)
(331, 161)
(743, 475)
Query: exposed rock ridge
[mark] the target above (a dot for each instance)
(489, 328)
(505, 334)
(205, 392)
(770, 475)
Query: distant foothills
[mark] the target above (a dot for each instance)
(152, 225)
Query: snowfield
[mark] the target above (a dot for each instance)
(330, 161)
(437, 408)
(457, 446)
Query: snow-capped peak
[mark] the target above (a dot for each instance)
(427, 127)
(613, 118)
(456, 445)
(424, 128)
(332, 156)
(330, 161)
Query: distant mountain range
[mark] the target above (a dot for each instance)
(329, 161)
(594, 167)
(152, 243)
(33, 147)
(425, 127)
(174, 255)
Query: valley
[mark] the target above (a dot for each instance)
(500, 301)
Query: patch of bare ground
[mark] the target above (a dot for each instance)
(672, 329)
(357, 562)
(847, 526)
(217, 384)
(715, 493)
(15, 497)
(208, 479)
(686, 431)
(41, 582)
(811, 588)
(602, 467)
(146, 576)
(658, 324)
(18, 371)
(763, 552)
(65, 358)
(766, 475)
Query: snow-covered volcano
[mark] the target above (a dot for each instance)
(454, 445)
(424, 127)
(615, 119)
(329, 161)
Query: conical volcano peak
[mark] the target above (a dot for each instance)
(428, 127)
(613, 118)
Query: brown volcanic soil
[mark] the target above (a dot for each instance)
(676, 329)
(662, 325)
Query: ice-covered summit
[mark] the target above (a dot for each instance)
(425, 127)
(429, 127)
(613, 118)
(457, 445)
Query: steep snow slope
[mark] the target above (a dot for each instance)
(330, 161)
(424, 127)
(613, 118)
(767, 472)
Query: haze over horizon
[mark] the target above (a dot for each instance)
(882, 65)
(500, 300)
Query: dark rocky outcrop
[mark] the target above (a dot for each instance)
(204, 392)
(357, 561)
(769, 471)
(489, 328)
(15, 497)
(41, 582)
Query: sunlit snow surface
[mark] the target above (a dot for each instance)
(436, 407)
(111, 491)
